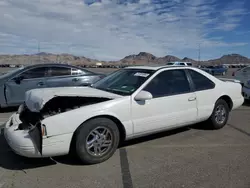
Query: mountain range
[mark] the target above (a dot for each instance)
(143, 58)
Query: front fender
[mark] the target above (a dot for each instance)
(69, 121)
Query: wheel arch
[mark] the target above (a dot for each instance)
(228, 101)
(119, 124)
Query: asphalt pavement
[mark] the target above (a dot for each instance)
(187, 157)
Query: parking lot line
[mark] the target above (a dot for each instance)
(238, 129)
(125, 171)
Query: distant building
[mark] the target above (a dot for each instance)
(98, 64)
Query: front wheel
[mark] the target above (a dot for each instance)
(97, 140)
(220, 115)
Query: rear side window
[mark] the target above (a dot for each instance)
(170, 63)
(200, 81)
(60, 71)
(77, 72)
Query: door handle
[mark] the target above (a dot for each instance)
(192, 99)
(40, 84)
(75, 79)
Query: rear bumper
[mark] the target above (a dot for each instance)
(246, 93)
(238, 103)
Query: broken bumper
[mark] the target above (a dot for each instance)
(19, 140)
(22, 144)
(246, 93)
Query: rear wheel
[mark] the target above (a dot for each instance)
(220, 115)
(97, 140)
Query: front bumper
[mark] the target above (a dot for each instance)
(19, 140)
(22, 144)
(246, 92)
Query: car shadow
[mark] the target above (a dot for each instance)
(246, 103)
(202, 126)
(8, 109)
(11, 161)
(154, 137)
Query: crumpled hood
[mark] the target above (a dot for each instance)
(35, 99)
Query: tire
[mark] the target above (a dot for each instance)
(87, 132)
(213, 121)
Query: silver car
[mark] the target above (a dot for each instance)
(242, 74)
(15, 83)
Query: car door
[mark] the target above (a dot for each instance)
(16, 87)
(205, 90)
(173, 103)
(62, 76)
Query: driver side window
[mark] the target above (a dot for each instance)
(167, 83)
(39, 72)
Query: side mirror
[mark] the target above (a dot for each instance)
(143, 95)
(18, 79)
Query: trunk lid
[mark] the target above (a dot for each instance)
(229, 80)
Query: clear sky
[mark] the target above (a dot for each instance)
(112, 29)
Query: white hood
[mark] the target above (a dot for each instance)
(35, 99)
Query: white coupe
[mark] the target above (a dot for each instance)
(129, 103)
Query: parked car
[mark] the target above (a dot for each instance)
(129, 103)
(215, 70)
(246, 90)
(15, 83)
(180, 63)
(242, 74)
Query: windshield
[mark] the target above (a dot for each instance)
(124, 81)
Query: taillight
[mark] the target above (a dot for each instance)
(233, 74)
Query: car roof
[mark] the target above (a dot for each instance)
(56, 64)
(50, 64)
(155, 68)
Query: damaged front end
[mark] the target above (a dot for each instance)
(59, 104)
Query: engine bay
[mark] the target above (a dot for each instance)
(56, 105)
